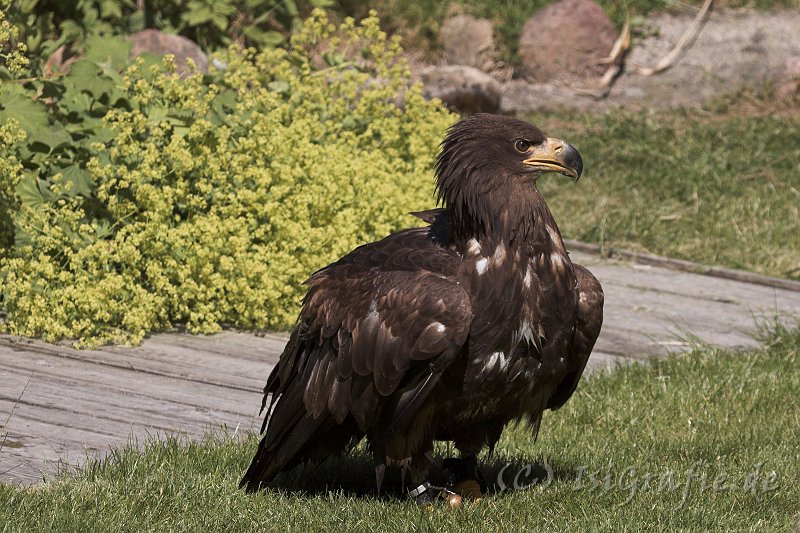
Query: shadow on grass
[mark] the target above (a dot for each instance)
(353, 475)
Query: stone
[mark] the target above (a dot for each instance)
(461, 87)
(468, 41)
(522, 97)
(160, 43)
(566, 41)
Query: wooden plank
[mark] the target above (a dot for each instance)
(71, 408)
(656, 310)
(157, 355)
(643, 258)
(25, 468)
(113, 411)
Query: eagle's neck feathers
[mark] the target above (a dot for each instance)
(518, 224)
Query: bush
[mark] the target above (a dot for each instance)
(49, 24)
(215, 197)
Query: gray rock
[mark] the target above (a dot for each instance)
(461, 87)
(565, 40)
(468, 41)
(522, 96)
(160, 43)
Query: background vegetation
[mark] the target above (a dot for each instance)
(214, 24)
(695, 418)
(716, 187)
(144, 199)
(49, 24)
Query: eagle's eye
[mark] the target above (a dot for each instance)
(522, 146)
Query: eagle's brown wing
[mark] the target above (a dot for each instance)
(587, 329)
(376, 331)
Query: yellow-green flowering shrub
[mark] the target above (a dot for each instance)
(217, 196)
(12, 52)
(10, 174)
(12, 61)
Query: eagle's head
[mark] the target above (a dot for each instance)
(490, 161)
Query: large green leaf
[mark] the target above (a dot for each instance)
(197, 13)
(53, 136)
(81, 181)
(87, 78)
(17, 103)
(110, 9)
(29, 192)
(291, 8)
(109, 53)
(269, 38)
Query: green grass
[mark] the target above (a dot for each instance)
(683, 422)
(711, 187)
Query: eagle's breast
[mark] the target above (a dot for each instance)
(519, 292)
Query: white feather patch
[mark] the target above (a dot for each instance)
(373, 309)
(532, 334)
(496, 362)
(482, 265)
(499, 254)
(473, 247)
(524, 332)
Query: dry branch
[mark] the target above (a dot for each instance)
(686, 39)
(614, 61)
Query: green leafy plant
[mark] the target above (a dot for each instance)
(207, 200)
(50, 24)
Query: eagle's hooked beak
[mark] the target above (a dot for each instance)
(554, 155)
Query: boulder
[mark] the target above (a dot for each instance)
(461, 87)
(565, 41)
(160, 43)
(468, 41)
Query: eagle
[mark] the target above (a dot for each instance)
(446, 332)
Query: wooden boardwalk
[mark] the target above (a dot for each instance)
(59, 405)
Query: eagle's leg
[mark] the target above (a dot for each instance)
(464, 476)
(419, 488)
(405, 465)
